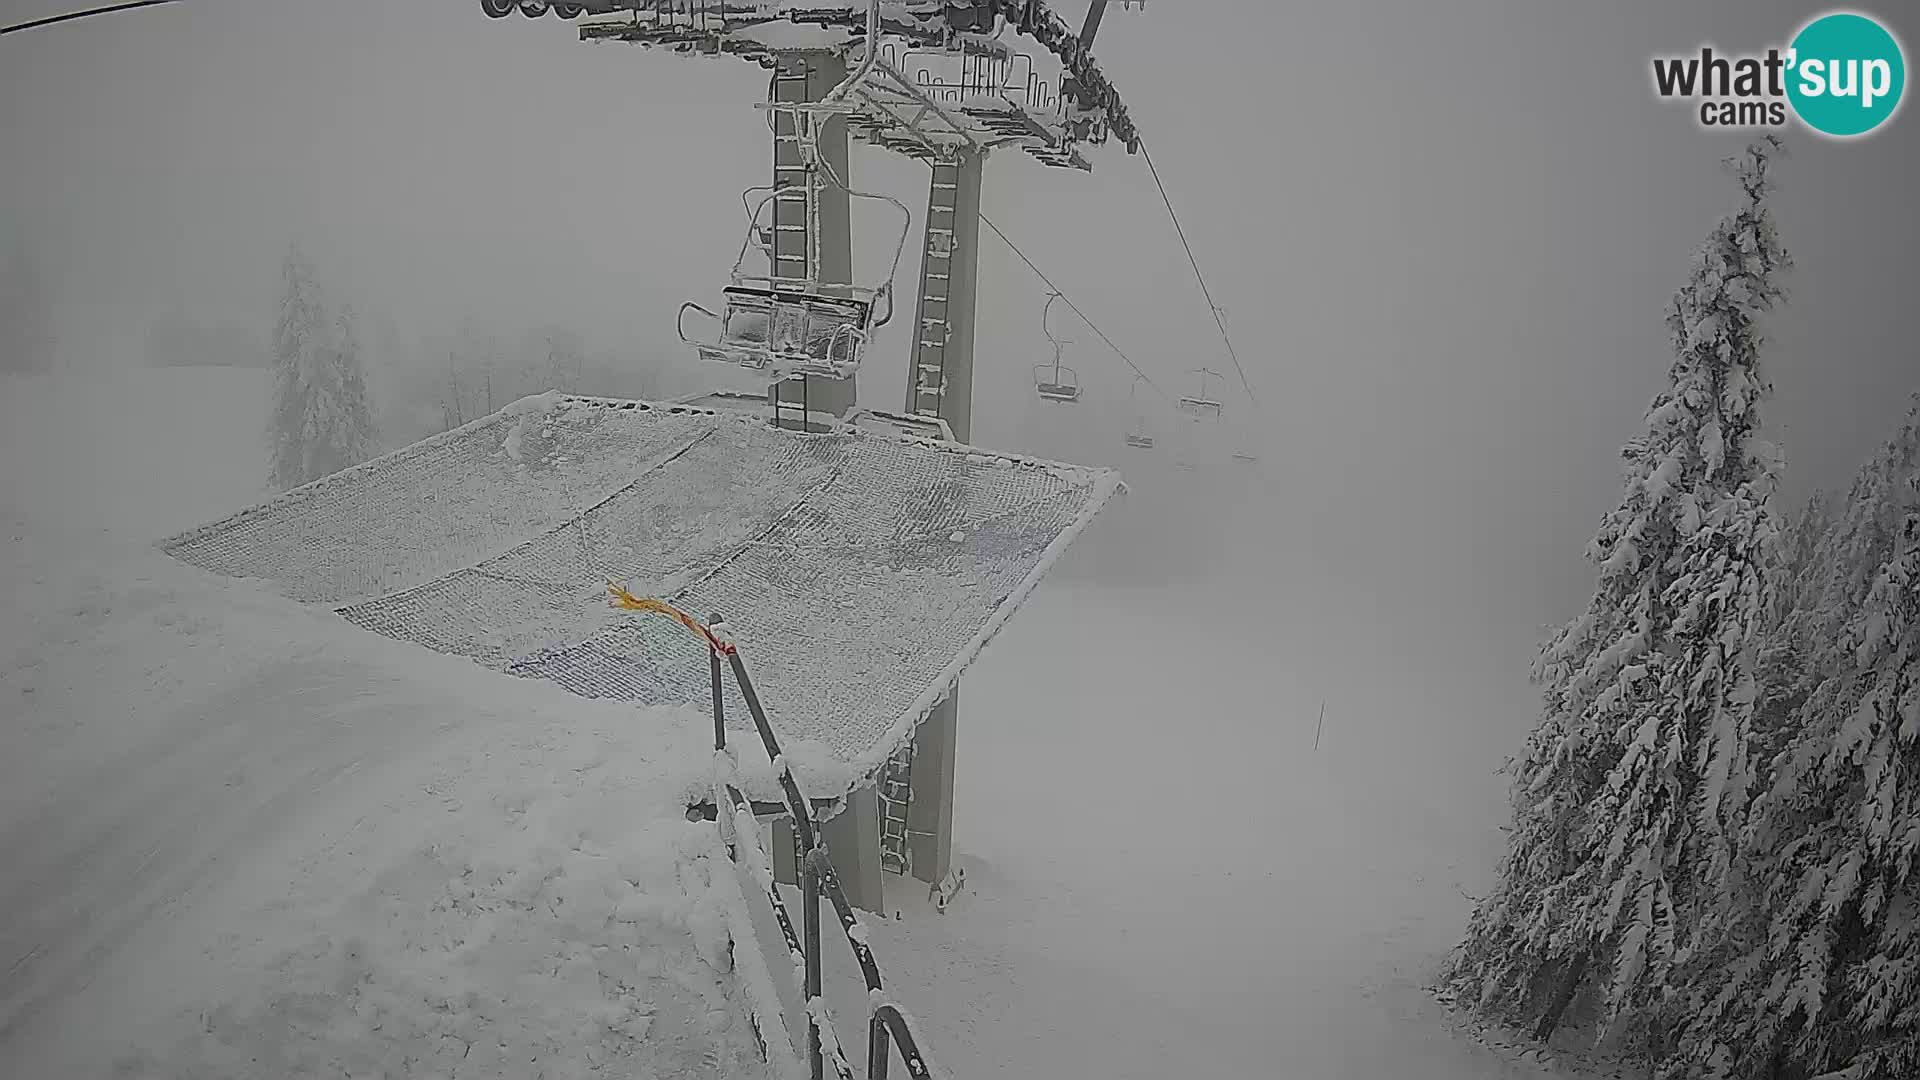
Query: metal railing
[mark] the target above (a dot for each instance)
(887, 1026)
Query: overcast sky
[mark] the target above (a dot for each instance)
(1445, 233)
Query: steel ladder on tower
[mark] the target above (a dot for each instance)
(936, 280)
(793, 206)
(896, 795)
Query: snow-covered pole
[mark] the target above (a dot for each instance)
(887, 1024)
(809, 877)
(715, 626)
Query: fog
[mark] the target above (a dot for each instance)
(1444, 236)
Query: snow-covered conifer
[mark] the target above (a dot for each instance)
(1627, 800)
(1834, 982)
(321, 420)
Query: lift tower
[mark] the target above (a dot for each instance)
(937, 80)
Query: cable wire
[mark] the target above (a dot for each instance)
(51, 19)
(988, 222)
(1198, 276)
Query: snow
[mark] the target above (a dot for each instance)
(790, 35)
(1267, 910)
(244, 838)
(277, 831)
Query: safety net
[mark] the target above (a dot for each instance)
(860, 571)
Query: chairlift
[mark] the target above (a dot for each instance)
(1059, 382)
(1138, 437)
(923, 427)
(1202, 404)
(792, 326)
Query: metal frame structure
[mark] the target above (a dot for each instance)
(900, 115)
(936, 80)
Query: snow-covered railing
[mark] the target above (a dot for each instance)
(888, 1025)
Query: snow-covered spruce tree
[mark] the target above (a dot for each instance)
(1795, 623)
(1628, 796)
(344, 422)
(321, 420)
(1833, 980)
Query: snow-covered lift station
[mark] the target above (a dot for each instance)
(858, 559)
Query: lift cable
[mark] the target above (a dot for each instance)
(1201, 278)
(988, 222)
(70, 16)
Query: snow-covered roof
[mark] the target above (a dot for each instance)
(860, 571)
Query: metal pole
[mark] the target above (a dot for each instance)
(810, 920)
(719, 705)
(1092, 25)
(821, 249)
(877, 1049)
(809, 877)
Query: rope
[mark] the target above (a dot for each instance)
(1198, 276)
(109, 9)
(1075, 308)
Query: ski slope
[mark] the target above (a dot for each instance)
(241, 837)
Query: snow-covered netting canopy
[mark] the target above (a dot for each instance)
(860, 571)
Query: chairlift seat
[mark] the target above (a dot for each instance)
(1199, 406)
(788, 329)
(924, 427)
(1144, 442)
(1056, 381)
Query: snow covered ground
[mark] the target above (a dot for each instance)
(239, 837)
(1212, 897)
(242, 838)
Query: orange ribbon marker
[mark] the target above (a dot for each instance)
(627, 600)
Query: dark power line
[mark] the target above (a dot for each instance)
(1071, 305)
(1204, 291)
(69, 17)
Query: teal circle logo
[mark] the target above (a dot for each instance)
(1847, 74)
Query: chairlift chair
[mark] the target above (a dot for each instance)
(1202, 404)
(924, 427)
(792, 326)
(1063, 386)
(1055, 381)
(1138, 437)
